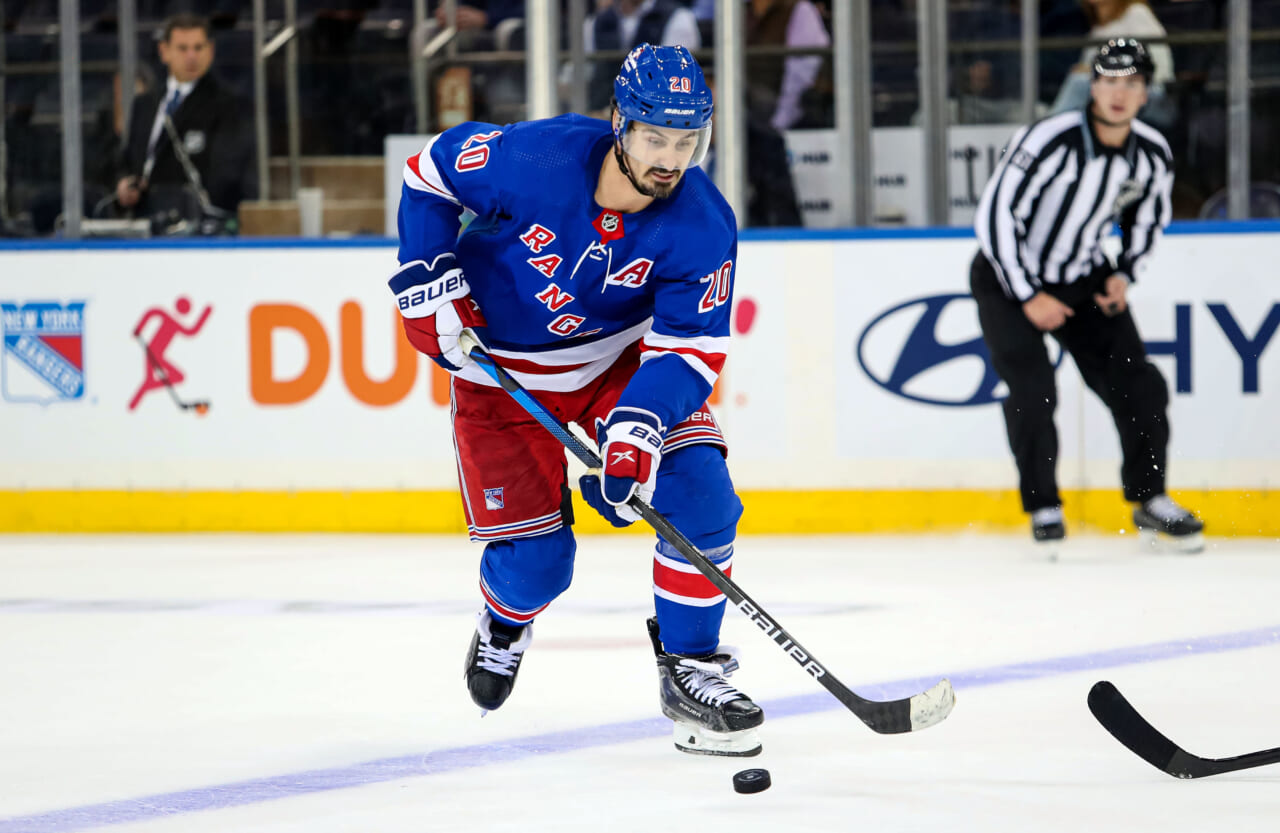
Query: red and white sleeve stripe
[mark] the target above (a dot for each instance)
(705, 354)
(421, 174)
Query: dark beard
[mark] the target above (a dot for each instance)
(657, 191)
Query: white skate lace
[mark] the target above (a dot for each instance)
(501, 661)
(705, 681)
(1163, 507)
(497, 660)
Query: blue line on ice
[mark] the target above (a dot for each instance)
(257, 790)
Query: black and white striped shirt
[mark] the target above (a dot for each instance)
(1056, 193)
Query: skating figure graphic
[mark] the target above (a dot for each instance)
(160, 372)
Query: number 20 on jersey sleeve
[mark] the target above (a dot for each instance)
(717, 293)
(475, 158)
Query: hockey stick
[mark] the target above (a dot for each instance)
(201, 407)
(1122, 720)
(886, 717)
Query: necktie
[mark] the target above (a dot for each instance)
(170, 107)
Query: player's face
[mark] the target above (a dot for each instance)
(187, 54)
(659, 155)
(654, 181)
(1116, 100)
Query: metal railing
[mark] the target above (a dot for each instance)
(4, 145)
(262, 50)
(850, 54)
(72, 152)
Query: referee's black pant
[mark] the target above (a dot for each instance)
(1111, 358)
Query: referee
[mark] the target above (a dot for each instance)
(1061, 184)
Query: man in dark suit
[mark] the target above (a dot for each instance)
(210, 125)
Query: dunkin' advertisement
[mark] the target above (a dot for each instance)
(855, 364)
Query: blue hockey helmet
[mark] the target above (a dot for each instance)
(663, 86)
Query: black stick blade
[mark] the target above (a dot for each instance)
(1131, 729)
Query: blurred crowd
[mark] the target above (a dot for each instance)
(355, 83)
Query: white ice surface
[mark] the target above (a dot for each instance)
(313, 683)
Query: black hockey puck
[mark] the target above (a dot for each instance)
(752, 781)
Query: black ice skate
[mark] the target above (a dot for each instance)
(1160, 520)
(1049, 530)
(711, 716)
(493, 660)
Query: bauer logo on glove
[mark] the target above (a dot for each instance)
(452, 282)
(436, 306)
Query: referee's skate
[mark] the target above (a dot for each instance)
(1161, 521)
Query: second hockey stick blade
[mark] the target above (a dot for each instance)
(1122, 720)
(908, 714)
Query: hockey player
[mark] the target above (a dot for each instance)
(1060, 186)
(598, 271)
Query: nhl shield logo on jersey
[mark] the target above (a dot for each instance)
(610, 226)
(43, 359)
(493, 498)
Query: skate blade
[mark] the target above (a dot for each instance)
(1182, 544)
(1050, 550)
(1189, 544)
(698, 741)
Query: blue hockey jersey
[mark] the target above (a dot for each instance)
(565, 285)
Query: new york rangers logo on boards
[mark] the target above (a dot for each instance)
(43, 359)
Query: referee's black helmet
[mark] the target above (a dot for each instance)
(1119, 57)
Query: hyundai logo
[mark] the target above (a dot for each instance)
(931, 350)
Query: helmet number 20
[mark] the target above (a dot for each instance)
(679, 85)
